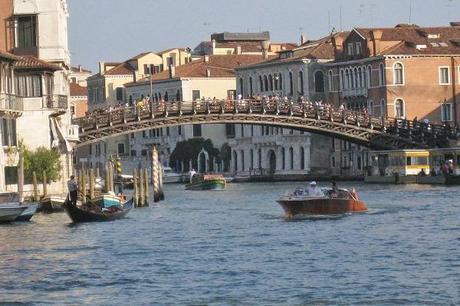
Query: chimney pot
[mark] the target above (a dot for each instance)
(172, 72)
(238, 49)
(208, 72)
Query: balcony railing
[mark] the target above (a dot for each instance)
(355, 92)
(60, 102)
(10, 102)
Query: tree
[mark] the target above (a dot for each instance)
(188, 150)
(40, 160)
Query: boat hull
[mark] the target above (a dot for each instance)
(10, 213)
(52, 204)
(320, 206)
(80, 215)
(218, 184)
(108, 200)
(28, 213)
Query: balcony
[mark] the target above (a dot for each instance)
(355, 92)
(56, 102)
(11, 105)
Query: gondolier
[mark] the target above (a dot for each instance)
(73, 189)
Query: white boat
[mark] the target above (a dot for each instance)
(9, 213)
(169, 176)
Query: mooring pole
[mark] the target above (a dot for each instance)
(146, 188)
(34, 181)
(136, 193)
(141, 188)
(45, 180)
(21, 176)
(91, 184)
(157, 192)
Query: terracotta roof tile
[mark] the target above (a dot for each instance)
(219, 66)
(121, 69)
(31, 62)
(77, 90)
(8, 56)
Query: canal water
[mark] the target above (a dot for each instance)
(234, 247)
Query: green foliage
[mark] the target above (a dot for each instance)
(189, 150)
(40, 160)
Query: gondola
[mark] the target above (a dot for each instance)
(94, 213)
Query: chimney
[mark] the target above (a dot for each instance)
(172, 72)
(79, 68)
(238, 49)
(208, 72)
(337, 42)
(213, 46)
(101, 67)
(376, 37)
(206, 58)
(265, 45)
(302, 39)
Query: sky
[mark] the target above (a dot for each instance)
(116, 30)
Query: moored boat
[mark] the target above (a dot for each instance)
(9, 213)
(169, 176)
(107, 200)
(28, 213)
(95, 213)
(329, 203)
(206, 182)
(52, 203)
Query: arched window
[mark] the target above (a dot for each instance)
(369, 76)
(251, 91)
(276, 81)
(360, 77)
(242, 161)
(352, 79)
(280, 81)
(265, 83)
(270, 78)
(283, 157)
(302, 158)
(242, 87)
(259, 159)
(235, 162)
(342, 79)
(370, 107)
(364, 77)
(156, 97)
(291, 84)
(301, 83)
(355, 73)
(399, 108)
(291, 157)
(261, 83)
(398, 74)
(383, 108)
(319, 81)
(251, 159)
(382, 74)
(178, 98)
(166, 96)
(331, 85)
(347, 79)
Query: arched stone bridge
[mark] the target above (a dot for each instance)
(373, 132)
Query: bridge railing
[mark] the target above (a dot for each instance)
(316, 111)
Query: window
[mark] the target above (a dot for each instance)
(197, 130)
(302, 158)
(251, 159)
(291, 157)
(350, 49)
(242, 86)
(331, 85)
(121, 149)
(291, 84)
(270, 78)
(196, 95)
(369, 76)
(399, 108)
(265, 83)
(26, 32)
(119, 93)
(179, 130)
(11, 175)
(230, 130)
(261, 83)
(167, 131)
(283, 158)
(398, 74)
(319, 81)
(259, 153)
(144, 152)
(29, 86)
(301, 82)
(8, 129)
(251, 91)
(133, 153)
(446, 112)
(359, 48)
(383, 108)
(444, 76)
(242, 130)
(242, 161)
(382, 74)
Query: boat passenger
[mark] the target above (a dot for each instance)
(192, 174)
(334, 190)
(314, 191)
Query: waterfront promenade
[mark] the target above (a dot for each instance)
(235, 247)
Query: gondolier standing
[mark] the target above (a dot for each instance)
(73, 188)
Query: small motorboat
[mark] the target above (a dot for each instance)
(52, 203)
(207, 182)
(107, 200)
(28, 213)
(169, 176)
(9, 213)
(327, 202)
(92, 212)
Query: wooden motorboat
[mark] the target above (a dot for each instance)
(9, 213)
(107, 200)
(207, 182)
(95, 213)
(329, 203)
(52, 203)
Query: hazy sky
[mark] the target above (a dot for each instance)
(115, 30)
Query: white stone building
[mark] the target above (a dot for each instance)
(294, 74)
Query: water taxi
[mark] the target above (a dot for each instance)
(206, 182)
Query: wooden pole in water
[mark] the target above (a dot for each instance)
(136, 194)
(141, 188)
(106, 181)
(91, 184)
(45, 182)
(34, 181)
(157, 192)
(98, 174)
(21, 175)
(83, 187)
(146, 182)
